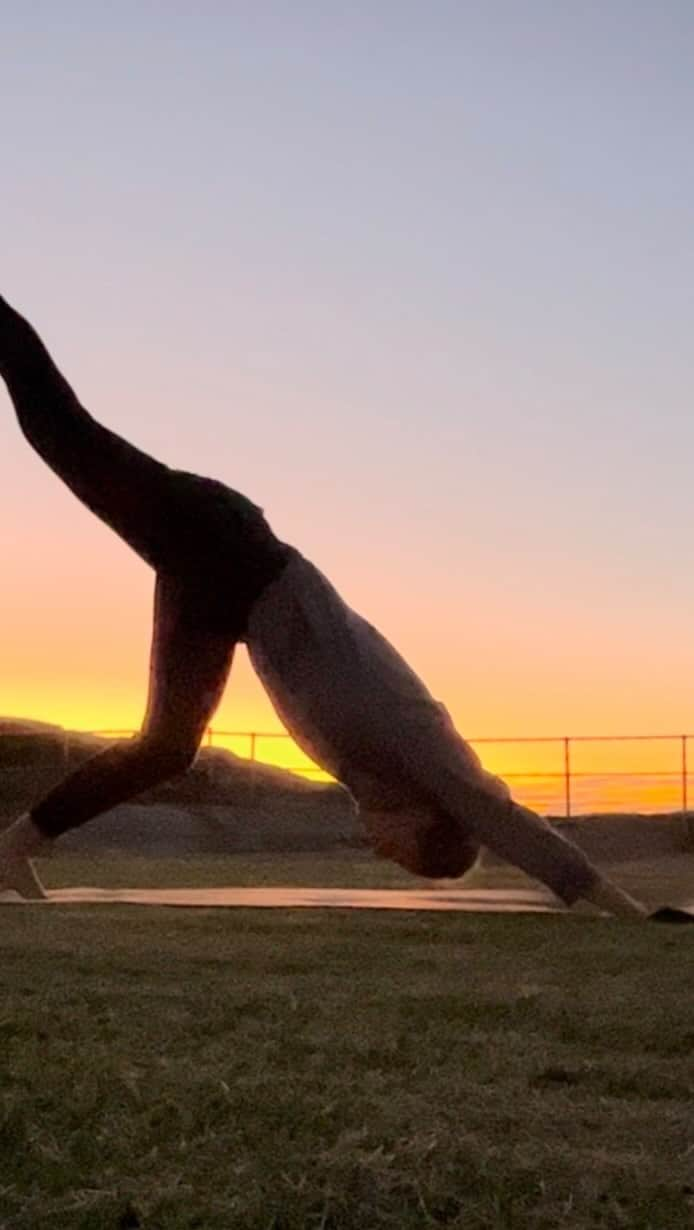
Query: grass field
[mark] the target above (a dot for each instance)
(298, 1069)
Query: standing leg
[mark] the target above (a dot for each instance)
(188, 673)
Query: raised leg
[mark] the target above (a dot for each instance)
(134, 494)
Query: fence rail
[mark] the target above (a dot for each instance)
(558, 775)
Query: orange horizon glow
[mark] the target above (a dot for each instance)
(77, 624)
(609, 774)
(369, 338)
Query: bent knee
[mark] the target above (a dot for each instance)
(172, 756)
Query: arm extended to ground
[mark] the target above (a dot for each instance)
(522, 838)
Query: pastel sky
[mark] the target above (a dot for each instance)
(419, 279)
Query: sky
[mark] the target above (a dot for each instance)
(418, 279)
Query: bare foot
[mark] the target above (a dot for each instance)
(18, 844)
(19, 874)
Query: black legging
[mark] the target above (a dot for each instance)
(212, 551)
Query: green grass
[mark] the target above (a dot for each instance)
(304, 1069)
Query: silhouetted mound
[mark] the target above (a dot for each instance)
(35, 755)
(628, 838)
(224, 804)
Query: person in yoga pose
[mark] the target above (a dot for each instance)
(343, 692)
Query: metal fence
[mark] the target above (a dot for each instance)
(559, 775)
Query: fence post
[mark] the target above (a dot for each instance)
(688, 823)
(567, 777)
(254, 763)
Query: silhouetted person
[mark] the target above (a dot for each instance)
(347, 697)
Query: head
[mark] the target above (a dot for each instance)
(425, 842)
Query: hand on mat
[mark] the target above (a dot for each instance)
(671, 914)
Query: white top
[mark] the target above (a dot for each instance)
(346, 696)
(356, 708)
